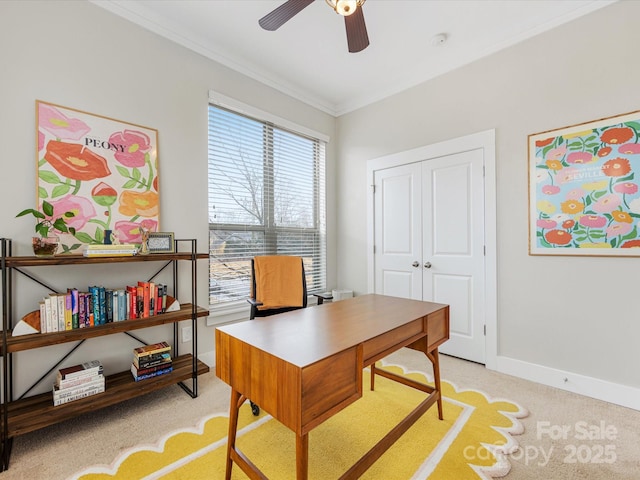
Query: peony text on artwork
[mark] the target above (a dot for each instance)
(103, 170)
(583, 189)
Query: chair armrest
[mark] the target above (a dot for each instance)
(323, 296)
(254, 302)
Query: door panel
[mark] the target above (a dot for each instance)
(398, 242)
(397, 284)
(453, 233)
(456, 291)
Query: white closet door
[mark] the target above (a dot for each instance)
(453, 247)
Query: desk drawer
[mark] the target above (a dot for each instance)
(330, 385)
(391, 341)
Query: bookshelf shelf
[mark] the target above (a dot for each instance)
(23, 415)
(37, 340)
(36, 412)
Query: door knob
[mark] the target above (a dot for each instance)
(416, 264)
(427, 264)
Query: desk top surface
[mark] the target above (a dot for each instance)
(303, 337)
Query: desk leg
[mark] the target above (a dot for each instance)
(233, 428)
(435, 360)
(302, 456)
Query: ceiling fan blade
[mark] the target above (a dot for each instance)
(357, 37)
(282, 14)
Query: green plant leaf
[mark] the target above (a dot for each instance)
(123, 171)
(42, 193)
(84, 237)
(48, 177)
(47, 208)
(130, 184)
(631, 235)
(60, 190)
(634, 125)
(60, 225)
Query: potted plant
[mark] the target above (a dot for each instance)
(47, 243)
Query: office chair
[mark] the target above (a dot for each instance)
(278, 285)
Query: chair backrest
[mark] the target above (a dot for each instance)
(278, 283)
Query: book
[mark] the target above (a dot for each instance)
(87, 368)
(45, 324)
(62, 305)
(158, 300)
(122, 304)
(110, 247)
(62, 400)
(143, 371)
(68, 320)
(151, 349)
(137, 377)
(95, 303)
(52, 320)
(152, 360)
(133, 301)
(102, 307)
(139, 301)
(145, 298)
(75, 317)
(82, 310)
(69, 383)
(108, 305)
(101, 250)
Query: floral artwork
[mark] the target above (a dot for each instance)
(103, 170)
(583, 189)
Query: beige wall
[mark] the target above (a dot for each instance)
(568, 314)
(76, 54)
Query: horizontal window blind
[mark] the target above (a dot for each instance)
(266, 197)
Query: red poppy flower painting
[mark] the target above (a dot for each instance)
(102, 169)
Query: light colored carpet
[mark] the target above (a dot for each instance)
(60, 451)
(473, 426)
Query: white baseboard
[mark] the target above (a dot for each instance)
(616, 393)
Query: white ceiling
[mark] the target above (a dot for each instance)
(307, 57)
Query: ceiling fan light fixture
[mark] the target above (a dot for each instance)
(345, 7)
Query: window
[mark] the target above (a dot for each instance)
(266, 197)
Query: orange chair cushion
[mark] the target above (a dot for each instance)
(278, 281)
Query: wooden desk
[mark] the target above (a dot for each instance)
(304, 366)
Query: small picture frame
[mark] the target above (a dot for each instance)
(161, 242)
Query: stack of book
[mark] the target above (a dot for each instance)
(151, 361)
(119, 250)
(78, 381)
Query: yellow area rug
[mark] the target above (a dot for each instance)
(472, 442)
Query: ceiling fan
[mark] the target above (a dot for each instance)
(357, 38)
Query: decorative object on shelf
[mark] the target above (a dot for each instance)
(144, 241)
(583, 194)
(48, 221)
(161, 242)
(103, 169)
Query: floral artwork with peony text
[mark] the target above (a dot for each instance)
(103, 170)
(583, 189)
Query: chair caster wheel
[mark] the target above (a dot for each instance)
(255, 409)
